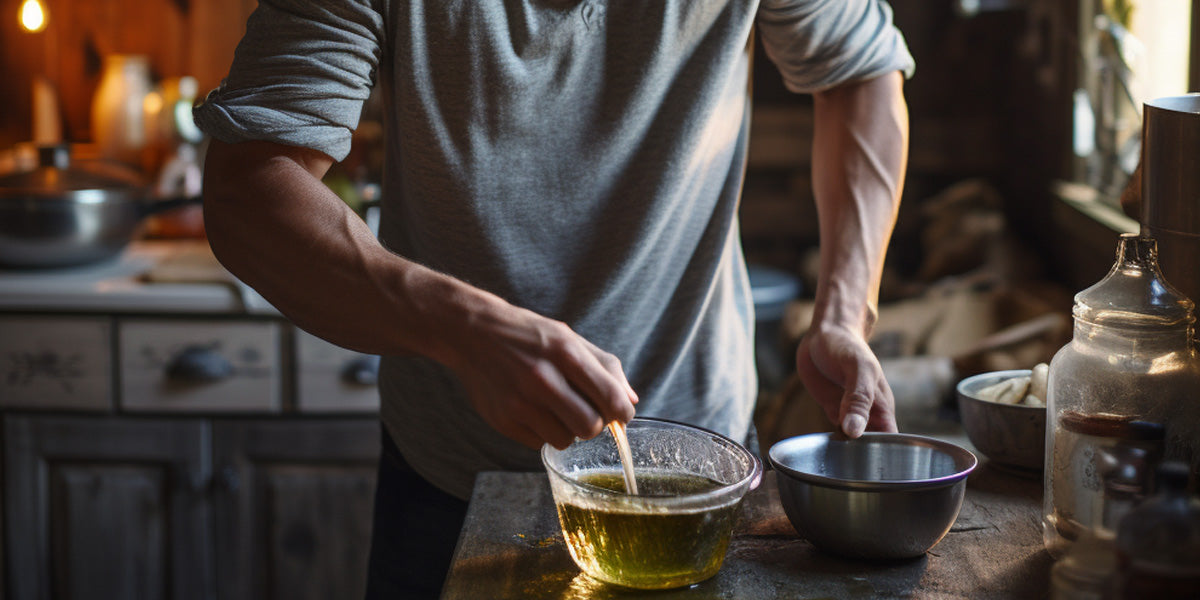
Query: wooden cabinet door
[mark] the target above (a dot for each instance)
(106, 508)
(293, 507)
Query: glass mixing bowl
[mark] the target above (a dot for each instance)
(676, 531)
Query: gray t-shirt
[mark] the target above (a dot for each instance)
(582, 159)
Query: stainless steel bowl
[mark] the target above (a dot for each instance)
(881, 496)
(1009, 435)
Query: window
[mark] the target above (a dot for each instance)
(1131, 51)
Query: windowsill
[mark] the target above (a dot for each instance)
(1087, 226)
(1090, 202)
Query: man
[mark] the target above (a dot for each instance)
(559, 237)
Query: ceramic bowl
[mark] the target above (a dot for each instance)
(1012, 436)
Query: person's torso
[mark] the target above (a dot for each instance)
(582, 160)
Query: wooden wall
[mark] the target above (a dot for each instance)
(990, 99)
(181, 37)
(985, 102)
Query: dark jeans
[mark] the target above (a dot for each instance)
(416, 528)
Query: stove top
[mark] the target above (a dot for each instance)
(148, 277)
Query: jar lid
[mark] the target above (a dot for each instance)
(1134, 294)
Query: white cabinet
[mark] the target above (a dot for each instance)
(330, 378)
(178, 364)
(164, 438)
(196, 365)
(52, 362)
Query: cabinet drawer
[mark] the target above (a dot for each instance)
(199, 366)
(56, 362)
(330, 378)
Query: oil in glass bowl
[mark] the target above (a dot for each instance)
(632, 545)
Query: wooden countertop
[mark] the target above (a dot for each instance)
(511, 547)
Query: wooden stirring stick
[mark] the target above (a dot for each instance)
(618, 432)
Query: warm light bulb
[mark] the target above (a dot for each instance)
(33, 16)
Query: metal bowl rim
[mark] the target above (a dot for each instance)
(955, 451)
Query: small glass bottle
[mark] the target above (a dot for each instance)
(1158, 543)
(1088, 570)
(1128, 377)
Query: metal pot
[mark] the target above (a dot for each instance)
(1171, 187)
(59, 216)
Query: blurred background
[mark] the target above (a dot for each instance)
(154, 407)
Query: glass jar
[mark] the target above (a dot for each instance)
(1127, 379)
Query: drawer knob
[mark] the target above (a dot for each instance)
(363, 370)
(197, 364)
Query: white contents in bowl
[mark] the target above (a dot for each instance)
(1025, 390)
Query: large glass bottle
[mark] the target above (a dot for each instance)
(1130, 378)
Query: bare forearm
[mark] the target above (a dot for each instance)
(859, 155)
(859, 158)
(272, 223)
(277, 227)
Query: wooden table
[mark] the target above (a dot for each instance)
(511, 547)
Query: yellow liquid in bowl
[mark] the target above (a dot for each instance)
(628, 546)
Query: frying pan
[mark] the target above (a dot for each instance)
(60, 216)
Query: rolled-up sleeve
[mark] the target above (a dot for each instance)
(299, 76)
(818, 44)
